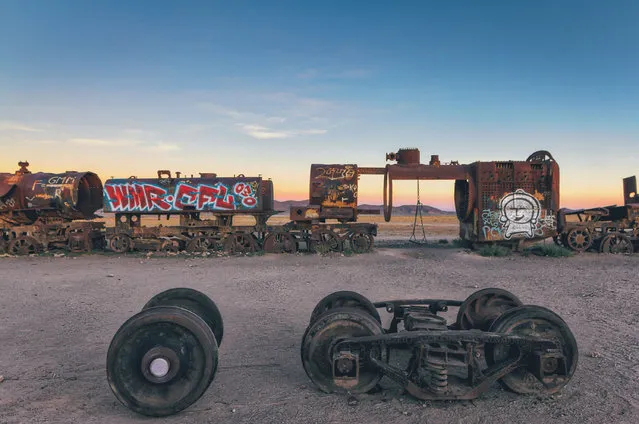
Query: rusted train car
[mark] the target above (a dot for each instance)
(40, 210)
(607, 229)
(207, 205)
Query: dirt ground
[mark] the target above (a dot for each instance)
(58, 314)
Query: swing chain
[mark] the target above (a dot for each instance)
(418, 211)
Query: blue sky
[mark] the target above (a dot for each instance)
(269, 87)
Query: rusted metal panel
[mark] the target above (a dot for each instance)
(26, 196)
(334, 186)
(187, 195)
(514, 200)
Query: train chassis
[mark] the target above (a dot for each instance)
(529, 349)
(220, 235)
(52, 233)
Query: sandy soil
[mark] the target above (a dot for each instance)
(57, 317)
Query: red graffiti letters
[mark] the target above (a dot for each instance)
(136, 197)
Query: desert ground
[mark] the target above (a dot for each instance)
(58, 315)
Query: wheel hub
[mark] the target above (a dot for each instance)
(160, 365)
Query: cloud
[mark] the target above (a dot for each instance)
(118, 142)
(101, 142)
(264, 133)
(14, 126)
(165, 147)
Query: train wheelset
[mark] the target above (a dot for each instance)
(163, 359)
(529, 349)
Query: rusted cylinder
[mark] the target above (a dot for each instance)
(408, 157)
(230, 195)
(25, 196)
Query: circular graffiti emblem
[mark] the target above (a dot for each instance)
(519, 213)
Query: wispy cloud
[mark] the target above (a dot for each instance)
(292, 115)
(102, 142)
(15, 126)
(119, 142)
(164, 147)
(264, 133)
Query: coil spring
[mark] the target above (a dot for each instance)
(438, 374)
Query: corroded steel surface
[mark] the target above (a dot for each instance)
(187, 195)
(345, 347)
(495, 201)
(26, 196)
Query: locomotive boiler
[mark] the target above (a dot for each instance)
(38, 210)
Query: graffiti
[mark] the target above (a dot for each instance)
(491, 226)
(7, 204)
(61, 179)
(547, 223)
(519, 214)
(345, 173)
(140, 197)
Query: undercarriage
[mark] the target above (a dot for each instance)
(527, 348)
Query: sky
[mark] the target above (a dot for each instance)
(125, 88)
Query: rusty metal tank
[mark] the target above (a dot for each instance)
(182, 195)
(25, 196)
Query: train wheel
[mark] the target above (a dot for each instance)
(196, 302)
(24, 245)
(579, 239)
(161, 360)
(361, 242)
(483, 307)
(535, 321)
(344, 299)
(200, 244)
(325, 368)
(616, 243)
(324, 241)
(240, 243)
(169, 246)
(280, 242)
(120, 243)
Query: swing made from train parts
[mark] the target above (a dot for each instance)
(529, 349)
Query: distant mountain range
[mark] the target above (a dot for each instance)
(402, 210)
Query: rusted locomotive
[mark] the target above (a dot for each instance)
(40, 211)
(607, 229)
(506, 202)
